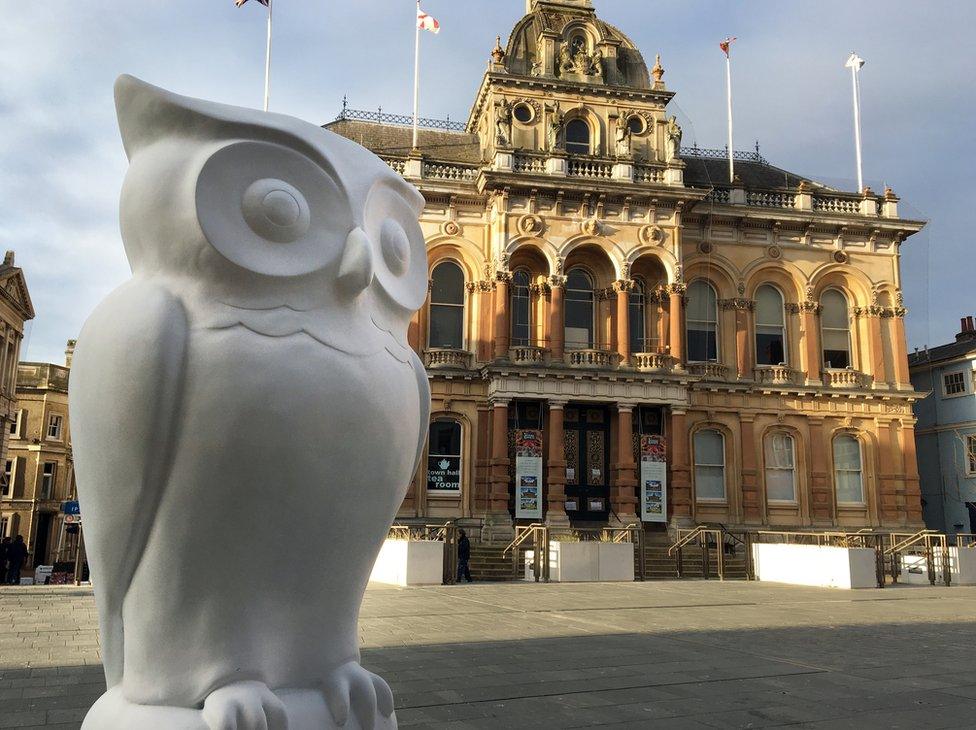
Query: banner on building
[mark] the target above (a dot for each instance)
(444, 474)
(653, 479)
(528, 474)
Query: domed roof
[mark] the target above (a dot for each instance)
(561, 20)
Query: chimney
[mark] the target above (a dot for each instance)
(69, 352)
(967, 329)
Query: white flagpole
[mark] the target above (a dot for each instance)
(267, 60)
(728, 86)
(855, 65)
(416, 75)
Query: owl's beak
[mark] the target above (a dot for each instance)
(356, 266)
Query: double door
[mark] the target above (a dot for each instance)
(587, 442)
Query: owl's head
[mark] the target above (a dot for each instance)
(249, 203)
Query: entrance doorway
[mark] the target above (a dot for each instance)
(587, 440)
(41, 539)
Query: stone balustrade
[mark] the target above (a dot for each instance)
(590, 358)
(652, 362)
(440, 171)
(845, 378)
(648, 174)
(446, 357)
(774, 375)
(709, 370)
(528, 354)
(761, 199)
(529, 163)
(590, 169)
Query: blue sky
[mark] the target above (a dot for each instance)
(61, 162)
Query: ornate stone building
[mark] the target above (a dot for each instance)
(600, 287)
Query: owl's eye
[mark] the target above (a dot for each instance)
(276, 210)
(395, 246)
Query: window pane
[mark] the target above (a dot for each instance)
(769, 347)
(701, 302)
(769, 306)
(849, 487)
(837, 358)
(709, 447)
(636, 317)
(781, 485)
(446, 326)
(702, 344)
(847, 470)
(577, 280)
(834, 310)
(578, 137)
(847, 453)
(710, 482)
(448, 284)
(521, 308)
(445, 438)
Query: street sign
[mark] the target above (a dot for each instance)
(72, 519)
(71, 508)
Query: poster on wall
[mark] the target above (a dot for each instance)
(528, 474)
(653, 479)
(444, 473)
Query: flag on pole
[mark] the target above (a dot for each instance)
(424, 21)
(267, 54)
(726, 45)
(854, 61)
(239, 3)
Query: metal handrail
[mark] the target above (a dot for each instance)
(522, 533)
(909, 540)
(966, 540)
(925, 541)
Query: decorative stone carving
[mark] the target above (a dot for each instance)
(529, 224)
(276, 267)
(557, 281)
(450, 228)
(578, 61)
(591, 227)
(651, 234)
(554, 129)
(705, 247)
(774, 252)
(622, 137)
(672, 140)
(498, 53)
(840, 257)
(623, 285)
(503, 124)
(658, 71)
(740, 303)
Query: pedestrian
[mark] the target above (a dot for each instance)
(464, 556)
(4, 549)
(16, 557)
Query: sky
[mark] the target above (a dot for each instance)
(61, 161)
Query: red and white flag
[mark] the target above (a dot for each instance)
(239, 3)
(427, 22)
(726, 45)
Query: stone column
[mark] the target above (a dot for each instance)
(811, 339)
(499, 482)
(623, 497)
(890, 497)
(622, 288)
(877, 346)
(743, 348)
(557, 318)
(676, 293)
(680, 497)
(752, 502)
(503, 332)
(900, 346)
(556, 467)
(913, 492)
(821, 491)
(663, 321)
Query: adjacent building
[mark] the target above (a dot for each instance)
(946, 431)
(39, 467)
(618, 330)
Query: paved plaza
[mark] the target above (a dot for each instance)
(664, 654)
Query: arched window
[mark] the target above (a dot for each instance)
(835, 329)
(579, 310)
(709, 464)
(780, 458)
(636, 303)
(848, 477)
(444, 456)
(770, 326)
(521, 308)
(447, 307)
(702, 322)
(578, 137)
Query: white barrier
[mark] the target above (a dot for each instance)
(962, 568)
(409, 563)
(587, 562)
(815, 565)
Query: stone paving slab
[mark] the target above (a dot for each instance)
(670, 654)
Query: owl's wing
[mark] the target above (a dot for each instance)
(423, 392)
(124, 398)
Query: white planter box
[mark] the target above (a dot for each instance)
(962, 568)
(815, 565)
(587, 562)
(409, 563)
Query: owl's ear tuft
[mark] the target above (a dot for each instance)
(145, 112)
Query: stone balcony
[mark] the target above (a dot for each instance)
(774, 375)
(652, 362)
(591, 358)
(709, 370)
(528, 355)
(448, 358)
(848, 378)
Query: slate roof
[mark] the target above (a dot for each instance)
(704, 172)
(942, 353)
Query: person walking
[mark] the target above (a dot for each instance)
(464, 556)
(4, 549)
(16, 557)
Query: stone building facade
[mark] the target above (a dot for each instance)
(601, 287)
(39, 467)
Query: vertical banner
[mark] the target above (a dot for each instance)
(528, 474)
(653, 479)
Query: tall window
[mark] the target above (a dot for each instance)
(47, 479)
(770, 326)
(521, 308)
(444, 456)
(15, 422)
(954, 383)
(702, 319)
(848, 477)
(578, 137)
(54, 423)
(447, 307)
(636, 303)
(780, 457)
(8, 478)
(971, 453)
(579, 310)
(835, 329)
(709, 464)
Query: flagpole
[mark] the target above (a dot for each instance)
(416, 75)
(267, 59)
(857, 120)
(728, 86)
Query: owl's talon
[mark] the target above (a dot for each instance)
(350, 687)
(244, 706)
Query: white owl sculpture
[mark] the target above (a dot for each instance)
(246, 416)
